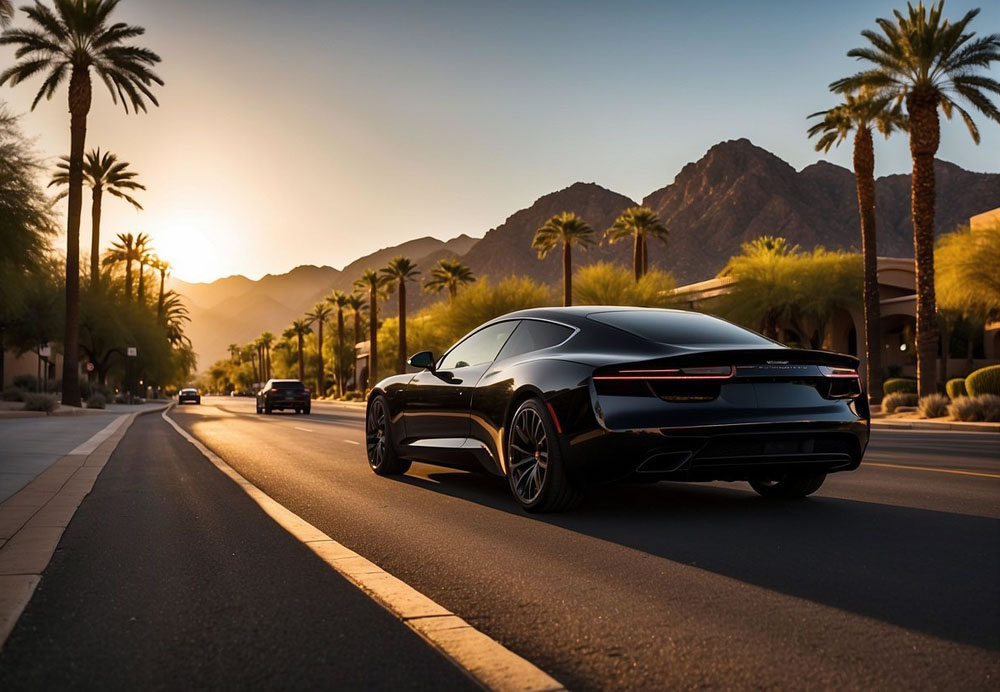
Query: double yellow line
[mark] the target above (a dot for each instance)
(932, 469)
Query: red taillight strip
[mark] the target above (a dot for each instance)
(732, 373)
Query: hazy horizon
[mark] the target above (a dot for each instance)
(316, 133)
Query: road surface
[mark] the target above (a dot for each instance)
(887, 577)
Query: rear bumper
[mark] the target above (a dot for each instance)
(288, 403)
(717, 452)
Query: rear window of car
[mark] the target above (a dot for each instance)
(680, 328)
(189, 391)
(287, 385)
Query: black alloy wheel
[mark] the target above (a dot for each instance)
(535, 468)
(382, 455)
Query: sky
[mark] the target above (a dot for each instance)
(314, 132)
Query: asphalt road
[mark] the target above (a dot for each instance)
(888, 577)
(169, 577)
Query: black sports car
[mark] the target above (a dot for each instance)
(558, 398)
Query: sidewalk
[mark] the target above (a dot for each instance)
(170, 577)
(28, 446)
(909, 421)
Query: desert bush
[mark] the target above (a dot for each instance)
(985, 407)
(40, 402)
(984, 381)
(13, 394)
(956, 388)
(605, 283)
(933, 406)
(27, 383)
(893, 401)
(900, 384)
(96, 400)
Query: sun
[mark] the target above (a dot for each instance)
(194, 242)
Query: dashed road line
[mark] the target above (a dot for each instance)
(352, 442)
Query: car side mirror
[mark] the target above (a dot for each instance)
(423, 360)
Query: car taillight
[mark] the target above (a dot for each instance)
(306, 390)
(845, 383)
(716, 372)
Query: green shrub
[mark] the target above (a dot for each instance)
(96, 400)
(985, 407)
(13, 394)
(41, 402)
(956, 388)
(27, 383)
(933, 406)
(900, 384)
(984, 381)
(893, 401)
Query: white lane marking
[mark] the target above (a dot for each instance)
(302, 429)
(90, 445)
(352, 442)
(489, 662)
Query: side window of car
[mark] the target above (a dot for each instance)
(533, 335)
(481, 347)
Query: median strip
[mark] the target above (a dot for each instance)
(484, 659)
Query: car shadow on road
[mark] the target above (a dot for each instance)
(931, 571)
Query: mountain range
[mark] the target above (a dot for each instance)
(736, 192)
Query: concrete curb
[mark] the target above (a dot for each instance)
(936, 425)
(33, 519)
(485, 660)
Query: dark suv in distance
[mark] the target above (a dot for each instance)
(189, 395)
(283, 394)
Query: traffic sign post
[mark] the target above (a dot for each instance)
(131, 352)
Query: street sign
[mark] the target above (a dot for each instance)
(132, 351)
(44, 350)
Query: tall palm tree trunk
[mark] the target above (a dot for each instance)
(95, 237)
(864, 179)
(401, 359)
(340, 351)
(357, 335)
(267, 354)
(159, 301)
(128, 275)
(142, 284)
(645, 255)
(79, 107)
(319, 376)
(637, 256)
(924, 139)
(373, 336)
(567, 274)
(302, 362)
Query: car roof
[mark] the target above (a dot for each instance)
(576, 315)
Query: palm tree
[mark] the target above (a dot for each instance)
(925, 61)
(125, 251)
(860, 114)
(372, 282)
(267, 342)
(234, 353)
(356, 302)
(163, 267)
(339, 300)
(101, 172)
(6, 12)
(450, 274)
(299, 329)
(399, 271)
(640, 224)
(320, 314)
(566, 229)
(70, 42)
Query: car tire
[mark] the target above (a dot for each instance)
(536, 470)
(789, 487)
(259, 410)
(307, 410)
(267, 409)
(380, 450)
